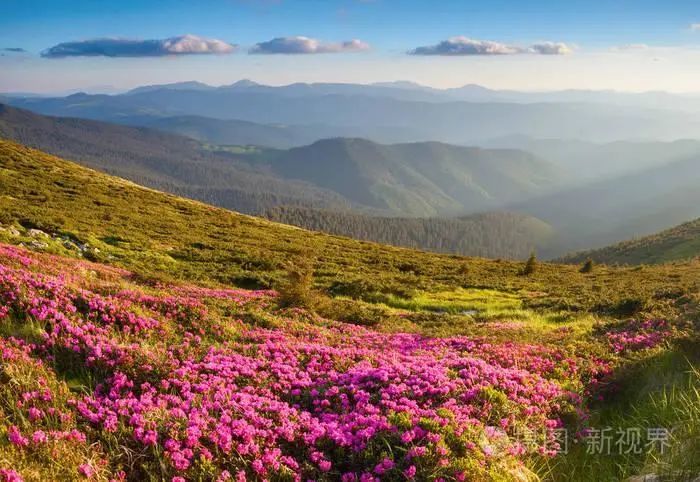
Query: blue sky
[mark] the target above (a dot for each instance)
(661, 32)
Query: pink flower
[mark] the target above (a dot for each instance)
(287, 398)
(34, 414)
(224, 476)
(9, 475)
(86, 470)
(39, 437)
(15, 437)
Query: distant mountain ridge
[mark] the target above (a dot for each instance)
(238, 132)
(419, 179)
(628, 206)
(391, 114)
(468, 92)
(231, 132)
(648, 187)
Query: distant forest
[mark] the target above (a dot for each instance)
(489, 235)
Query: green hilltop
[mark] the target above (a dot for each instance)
(680, 243)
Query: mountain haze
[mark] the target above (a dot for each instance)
(384, 114)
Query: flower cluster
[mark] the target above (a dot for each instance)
(311, 399)
(636, 335)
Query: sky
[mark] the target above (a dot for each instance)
(630, 45)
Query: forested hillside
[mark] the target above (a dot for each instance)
(419, 179)
(255, 181)
(623, 207)
(676, 244)
(232, 132)
(489, 235)
(399, 181)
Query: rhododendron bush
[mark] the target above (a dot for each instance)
(192, 383)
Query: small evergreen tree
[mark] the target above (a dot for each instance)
(297, 289)
(587, 266)
(530, 265)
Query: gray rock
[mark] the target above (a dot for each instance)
(37, 233)
(38, 244)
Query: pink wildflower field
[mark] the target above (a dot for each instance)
(178, 382)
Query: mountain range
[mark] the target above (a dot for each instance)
(379, 180)
(391, 113)
(595, 168)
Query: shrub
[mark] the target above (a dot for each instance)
(297, 288)
(530, 265)
(629, 307)
(587, 266)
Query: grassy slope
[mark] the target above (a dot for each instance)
(678, 243)
(155, 233)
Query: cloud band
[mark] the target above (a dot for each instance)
(465, 46)
(306, 45)
(117, 47)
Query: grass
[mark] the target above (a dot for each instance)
(658, 391)
(458, 301)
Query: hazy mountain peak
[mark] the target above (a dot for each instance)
(187, 85)
(402, 84)
(242, 84)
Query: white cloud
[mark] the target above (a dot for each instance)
(307, 45)
(695, 27)
(460, 45)
(465, 46)
(120, 47)
(551, 48)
